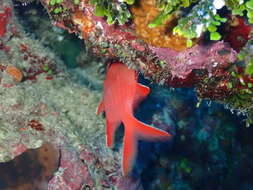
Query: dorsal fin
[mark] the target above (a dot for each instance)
(142, 90)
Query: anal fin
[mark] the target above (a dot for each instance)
(111, 127)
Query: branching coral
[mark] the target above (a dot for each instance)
(203, 16)
(168, 7)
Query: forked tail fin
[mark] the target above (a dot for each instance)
(135, 129)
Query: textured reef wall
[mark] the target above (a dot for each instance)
(40, 103)
(179, 44)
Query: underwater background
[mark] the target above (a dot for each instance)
(52, 139)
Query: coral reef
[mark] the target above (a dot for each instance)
(122, 93)
(204, 44)
(170, 43)
(238, 33)
(160, 36)
(48, 106)
(4, 15)
(115, 12)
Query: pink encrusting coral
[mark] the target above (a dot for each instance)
(199, 57)
(71, 174)
(122, 93)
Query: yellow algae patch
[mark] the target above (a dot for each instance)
(160, 36)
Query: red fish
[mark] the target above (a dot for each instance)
(122, 93)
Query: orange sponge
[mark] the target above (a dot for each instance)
(160, 36)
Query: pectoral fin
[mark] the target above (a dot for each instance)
(100, 108)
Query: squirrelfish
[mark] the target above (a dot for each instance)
(122, 93)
